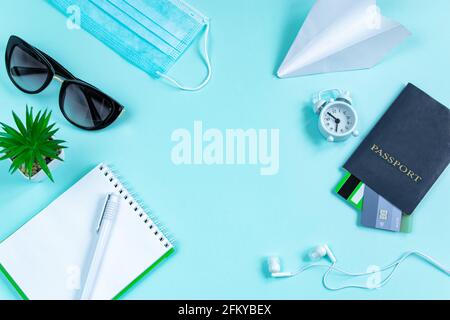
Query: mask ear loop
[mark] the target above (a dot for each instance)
(208, 65)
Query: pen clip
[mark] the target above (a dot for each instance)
(100, 220)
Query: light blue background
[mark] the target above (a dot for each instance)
(228, 218)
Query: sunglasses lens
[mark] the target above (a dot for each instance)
(86, 107)
(27, 69)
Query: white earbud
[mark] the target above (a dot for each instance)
(320, 252)
(274, 264)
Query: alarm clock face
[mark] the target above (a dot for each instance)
(338, 119)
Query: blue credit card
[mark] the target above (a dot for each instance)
(379, 213)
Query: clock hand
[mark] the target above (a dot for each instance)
(335, 119)
(338, 121)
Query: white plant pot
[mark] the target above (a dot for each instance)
(41, 176)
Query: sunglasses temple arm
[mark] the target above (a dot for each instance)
(26, 71)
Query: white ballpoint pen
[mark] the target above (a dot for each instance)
(103, 232)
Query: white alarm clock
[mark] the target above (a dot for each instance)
(337, 117)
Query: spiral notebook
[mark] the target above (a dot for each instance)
(46, 258)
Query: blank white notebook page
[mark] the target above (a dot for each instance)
(48, 256)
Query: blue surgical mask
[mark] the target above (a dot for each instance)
(151, 34)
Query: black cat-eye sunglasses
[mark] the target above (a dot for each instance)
(83, 105)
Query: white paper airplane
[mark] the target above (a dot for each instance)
(341, 35)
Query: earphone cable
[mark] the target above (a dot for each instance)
(394, 266)
(310, 266)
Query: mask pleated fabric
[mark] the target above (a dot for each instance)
(150, 34)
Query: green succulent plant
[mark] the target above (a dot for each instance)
(32, 145)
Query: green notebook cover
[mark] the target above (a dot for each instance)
(23, 295)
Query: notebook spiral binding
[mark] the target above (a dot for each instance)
(142, 211)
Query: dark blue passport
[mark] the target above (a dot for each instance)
(407, 150)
